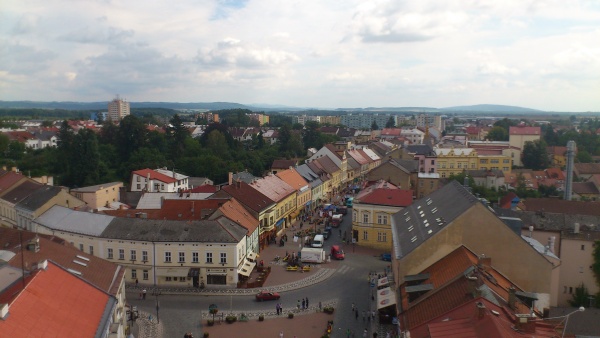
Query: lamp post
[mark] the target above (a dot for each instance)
(156, 294)
(133, 315)
(566, 317)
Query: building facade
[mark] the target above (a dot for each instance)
(118, 108)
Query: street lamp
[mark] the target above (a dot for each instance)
(566, 317)
(157, 293)
(132, 316)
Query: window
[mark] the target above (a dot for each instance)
(365, 218)
(182, 279)
(139, 187)
(443, 174)
(381, 219)
(133, 273)
(421, 183)
(133, 254)
(168, 279)
(80, 247)
(451, 165)
(432, 162)
(194, 257)
(570, 290)
(144, 256)
(430, 184)
(145, 275)
(209, 257)
(109, 254)
(223, 257)
(167, 257)
(581, 269)
(121, 254)
(91, 249)
(382, 236)
(354, 216)
(365, 236)
(582, 247)
(181, 257)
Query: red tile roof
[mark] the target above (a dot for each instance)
(55, 303)
(99, 272)
(155, 175)
(559, 206)
(273, 187)
(555, 173)
(524, 130)
(506, 201)
(247, 196)
(283, 164)
(291, 177)
(8, 180)
(233, 210)
(385, 193)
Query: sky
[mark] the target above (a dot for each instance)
(540, 54)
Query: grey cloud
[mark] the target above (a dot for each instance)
(394, 37)
(26, 24)
(109, 35)
(23, 59)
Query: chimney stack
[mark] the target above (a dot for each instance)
(512, 297)
(230, 180)
(480, 310)
(551, 241)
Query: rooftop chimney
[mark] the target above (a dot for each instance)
(525, 323)
(34, 245)
(512, 297)
(576, 228)
(480, 310)
(230, 179)
(3, 311)
(551, 241)
(484, 262)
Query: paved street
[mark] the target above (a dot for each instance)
(337, 283)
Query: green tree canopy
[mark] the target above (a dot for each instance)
(391, 123)
(535, 155)
(497, 134)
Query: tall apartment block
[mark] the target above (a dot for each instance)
(118, 108)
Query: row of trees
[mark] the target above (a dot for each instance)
(87, 158)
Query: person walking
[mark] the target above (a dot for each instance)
(144, 294)
(298, 304)
(364, 315)
(373, 314)
(356, 314)
(307, 303)
(303, 304)
(365, 333)
(277, 308)
(280, 334)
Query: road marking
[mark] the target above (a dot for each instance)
(344, 269)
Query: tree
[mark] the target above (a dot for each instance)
(285, 135)
(4, 142)
(497, 134)
(176, 135)
(584, 157)
(505, 123)
(580, 296)
(535, 155)
(596, 263)
(311, 136)
(16, 150)
(84, 161)
(374, 126)
(391, 123)
(132, 135)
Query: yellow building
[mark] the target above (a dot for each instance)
(455, 160)
(98, 196)
(494, 162)
(372, 210)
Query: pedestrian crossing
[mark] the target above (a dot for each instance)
(344, 269)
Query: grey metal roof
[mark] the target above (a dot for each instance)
(221, 230)
(309, 175)
(38, 198)
(418, 288)
(425, 217)
(245, 176)
(20, 192)
(421, 149)
(65, 219)
(413, 278)
(94, 188)
(153, 200)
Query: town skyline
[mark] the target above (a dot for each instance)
(325, 55)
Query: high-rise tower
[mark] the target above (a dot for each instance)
(118, 108)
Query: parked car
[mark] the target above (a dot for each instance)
(386, 257)
(265, 295)
(342, 210)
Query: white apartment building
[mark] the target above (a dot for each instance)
(118, 108)
(158, 180)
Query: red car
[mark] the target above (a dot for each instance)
(265, 295)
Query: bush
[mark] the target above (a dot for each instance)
(328, 309)
(261, 318)
(230, 319)
(291, 315)
(210, 322)
(205, 335)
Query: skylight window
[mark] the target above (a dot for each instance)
(414, 239)
(84, 258)
(410, 228)
(80, 263)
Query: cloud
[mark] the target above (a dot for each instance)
(234, 53)
(22, 59)
(98, 35)
(26, 24)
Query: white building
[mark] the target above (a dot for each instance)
(118, 108)
(415, 136)
(158, 180)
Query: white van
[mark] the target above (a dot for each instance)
(318, 241)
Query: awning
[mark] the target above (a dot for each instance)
(295, 214)
(251, 256)
(172, 272)
(383, 282)
(246, 268)
(385, 297)
(279, 223)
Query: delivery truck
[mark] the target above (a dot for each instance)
(336, 220)
(312, 255)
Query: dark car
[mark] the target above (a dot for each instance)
(386, 257)
(327, 232)
(265, 295)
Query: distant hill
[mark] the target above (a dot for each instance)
(104, 105)
(490, 108)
